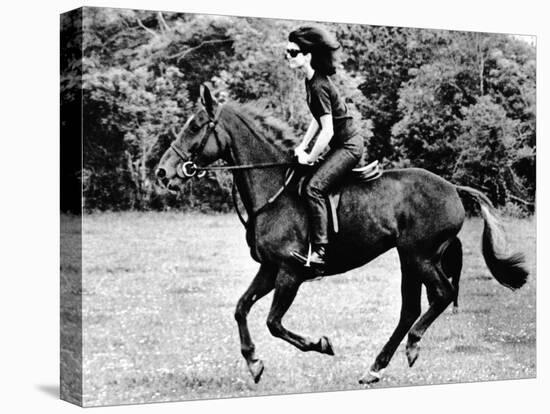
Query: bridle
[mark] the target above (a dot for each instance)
(188, 168)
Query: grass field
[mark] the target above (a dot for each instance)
(159, 292)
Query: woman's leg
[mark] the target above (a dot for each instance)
(338, 163)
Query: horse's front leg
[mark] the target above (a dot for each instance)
(261, 285)
(286, 287)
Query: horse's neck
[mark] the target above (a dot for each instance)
(256, 186)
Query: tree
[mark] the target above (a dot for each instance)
(384, 58)
(487, 148)
(135, 95)
(430, 104)
(420, 95)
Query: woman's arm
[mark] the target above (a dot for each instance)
(310, 133)
(327, 131)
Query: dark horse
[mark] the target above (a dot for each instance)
(412, 209)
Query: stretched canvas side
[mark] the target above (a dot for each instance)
(71, 207)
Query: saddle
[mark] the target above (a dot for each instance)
(296, 179)
(367, 173)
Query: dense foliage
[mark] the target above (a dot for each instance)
(459, 104)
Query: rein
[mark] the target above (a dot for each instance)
(289, 175)
(190, 169)
(248, 166)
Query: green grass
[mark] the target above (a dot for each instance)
(159, 292)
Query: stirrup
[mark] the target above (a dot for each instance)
(306, 260)
(303, 260)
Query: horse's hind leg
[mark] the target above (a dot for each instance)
(410, 311)
(441, 293)
(261, 285)
(451, 263)
(286, 287)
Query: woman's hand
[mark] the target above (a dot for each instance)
(300, 148)
(303, 157)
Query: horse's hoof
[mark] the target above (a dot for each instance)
(412, 353)
(455, 310)
(370, 377)
(256, 369)
(326, 346)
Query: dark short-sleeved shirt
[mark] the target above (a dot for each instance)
(323, 98)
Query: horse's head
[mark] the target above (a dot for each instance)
(200, 142)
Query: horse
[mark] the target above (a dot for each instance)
(410, 209)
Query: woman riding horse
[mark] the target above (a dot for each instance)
(311, 50)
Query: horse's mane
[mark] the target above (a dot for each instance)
(272, 130)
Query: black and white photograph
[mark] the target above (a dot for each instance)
(276, 208)
(376, 184)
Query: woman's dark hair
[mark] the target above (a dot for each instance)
(321, 44)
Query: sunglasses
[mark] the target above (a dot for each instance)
(293, 52)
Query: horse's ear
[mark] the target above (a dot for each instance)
(207, 100)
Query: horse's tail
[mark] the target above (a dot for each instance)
(508, 269)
